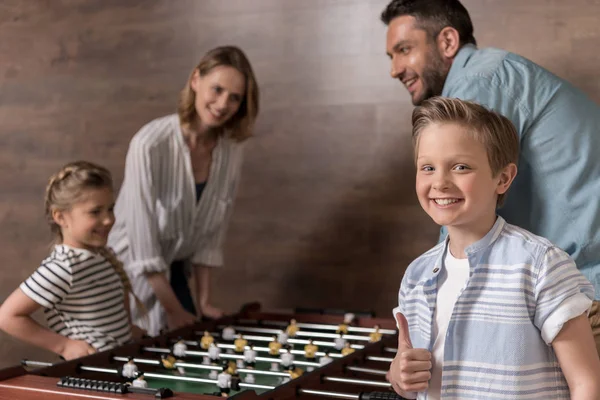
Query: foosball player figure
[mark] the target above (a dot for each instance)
(274, 347)
(168, 361)
(250, 357)
(214, 353)
(347, 349)
(240, 344)
(228, 333)
(375, 336)
(339, 342)
(224, 382)
(139, 381)
(129, 370)
(231, 367)
(310, 350)
(292, 329)
(287, 359)
(325, 359)
(295, 373)
(179, 348)
(343, 327)
(282, 337)
(206, 340)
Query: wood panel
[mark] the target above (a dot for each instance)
(326, 214)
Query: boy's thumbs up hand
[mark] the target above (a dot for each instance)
(411, 369)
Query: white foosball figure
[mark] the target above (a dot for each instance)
(282, 338)
(179, 348)
(129, 369)
(310, 369)
(228, 333)
(213, 374)
(339, 342)
(239, 363)
(224, 382)
(275, 366)
(181, 370)
(250, 356)
(214, 353)
(140, 382)
(287, 359)
(205, 360)
(325, 359)
(249, 378)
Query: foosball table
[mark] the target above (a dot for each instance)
(249, 355)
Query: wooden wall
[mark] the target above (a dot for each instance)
(326, 215)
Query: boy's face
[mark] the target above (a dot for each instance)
(454, 181)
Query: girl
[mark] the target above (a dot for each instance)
(81, 285)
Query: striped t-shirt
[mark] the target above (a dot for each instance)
(83, 297)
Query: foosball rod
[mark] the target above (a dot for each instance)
(311, 334)
(270, 339)
(263, 349)
(228, 356)
(266, 359)
(148, 361)
(338, 395)
(324, 327)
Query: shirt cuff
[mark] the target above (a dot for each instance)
(571, 308)
(139, 267)
(209, 258)
(394, 312)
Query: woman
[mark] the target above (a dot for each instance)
(181, 175)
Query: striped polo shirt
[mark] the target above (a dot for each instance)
(158, 219)
(82, 296)
(520, 292)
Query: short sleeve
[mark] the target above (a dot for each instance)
(561, 293)
(49, 284)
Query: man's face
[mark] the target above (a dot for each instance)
(416, 59)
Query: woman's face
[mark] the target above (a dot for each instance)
(219, 94)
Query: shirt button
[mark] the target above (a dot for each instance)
(435, 270)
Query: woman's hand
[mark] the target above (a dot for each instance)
(211, 312)
(180, 318)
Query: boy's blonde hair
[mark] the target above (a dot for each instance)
(496, 132)
(67, 187)
(241, 124)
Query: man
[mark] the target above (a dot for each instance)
(556, 193)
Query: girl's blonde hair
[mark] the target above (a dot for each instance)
(69, 186)
(240, 126)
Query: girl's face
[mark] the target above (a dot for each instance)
(87, 223)
(219, 94)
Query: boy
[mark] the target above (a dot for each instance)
(493, 311)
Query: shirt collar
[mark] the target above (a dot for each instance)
(460, 61)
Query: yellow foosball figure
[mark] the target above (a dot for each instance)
(240, 344)
(375, 336)
(347, 349)
(274, 347)
(295, 373)
(231, 367)
(310, 350)
(206, 340)
(292, 328)
(168, 361)
(343, 327)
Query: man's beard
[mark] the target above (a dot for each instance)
(433, 77)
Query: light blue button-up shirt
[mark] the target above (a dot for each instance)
(556, 193)
(520, 292)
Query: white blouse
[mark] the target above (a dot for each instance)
(158, 219)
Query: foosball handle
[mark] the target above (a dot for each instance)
(380, 396)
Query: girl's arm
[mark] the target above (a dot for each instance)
(576, 352)
(177, 316)
(15, 320)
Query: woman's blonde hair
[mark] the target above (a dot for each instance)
(496, 132)
(240, 125)
(67, 187)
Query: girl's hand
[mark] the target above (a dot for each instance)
(75, 349)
